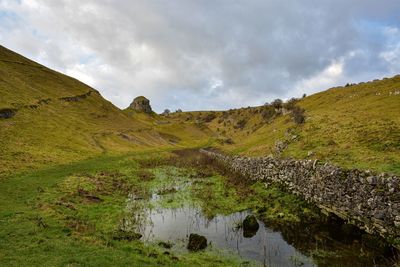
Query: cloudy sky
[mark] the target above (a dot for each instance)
(207, 54)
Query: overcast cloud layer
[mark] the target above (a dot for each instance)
(207, 54)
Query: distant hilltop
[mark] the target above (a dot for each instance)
(142, 104)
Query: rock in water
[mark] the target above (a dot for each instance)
(142, 104)
(250, 226)
(196, 242)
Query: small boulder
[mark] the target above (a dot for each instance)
(196, 242)
(250, 226)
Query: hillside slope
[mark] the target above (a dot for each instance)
(47, 117)
(353, 126)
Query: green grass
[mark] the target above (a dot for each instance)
(353, 127)
(70, 214)
(45, 221)
(48, 130)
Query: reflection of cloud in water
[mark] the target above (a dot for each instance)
(222, 232)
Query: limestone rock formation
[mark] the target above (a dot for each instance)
(142, 104)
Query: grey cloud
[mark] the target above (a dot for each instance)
(172, 51)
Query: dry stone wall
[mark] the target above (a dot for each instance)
(367, 199)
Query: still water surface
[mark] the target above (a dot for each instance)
(266, 246)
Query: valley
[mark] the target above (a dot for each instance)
(84, 183)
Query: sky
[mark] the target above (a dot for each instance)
(207, 54)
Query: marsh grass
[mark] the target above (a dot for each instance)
(70, 215)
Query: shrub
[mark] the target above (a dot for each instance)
(268, 113)
(240, 124)
(277, 103)
(298, 115)
(209, 117)
(290, 104)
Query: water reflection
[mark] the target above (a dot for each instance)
(329, 241)
(222, 232)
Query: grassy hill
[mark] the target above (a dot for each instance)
(352, 126)
(48, 118)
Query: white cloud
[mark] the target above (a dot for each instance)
(79, 71)
(329, 77)
(392, 53)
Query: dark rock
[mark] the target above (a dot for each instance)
(250, 226)
(196, 242)
(7, 113)
(141, 104)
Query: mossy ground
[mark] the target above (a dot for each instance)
(69, 214)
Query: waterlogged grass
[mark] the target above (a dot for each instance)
(73, 214)
(68, 215)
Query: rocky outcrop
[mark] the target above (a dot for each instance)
(141, 104)
(367, 199)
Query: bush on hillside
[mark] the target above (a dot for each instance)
(209, 117)
(241, 124)
(290, 104)
(268, 113)
(298, 115)
(277, 103)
